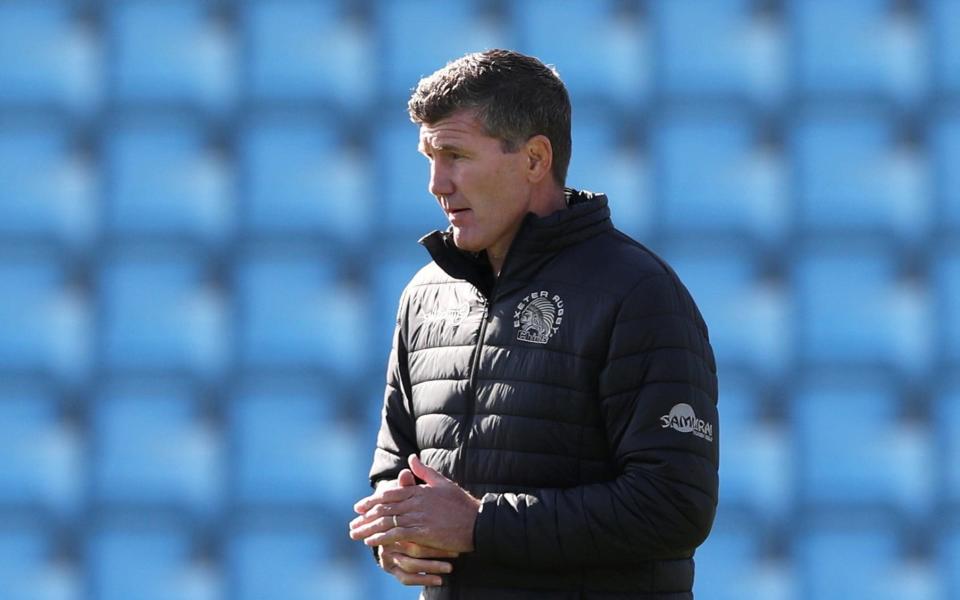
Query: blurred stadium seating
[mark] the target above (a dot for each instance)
(208, 210)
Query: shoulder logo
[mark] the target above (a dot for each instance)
(537, 317)
(682, 418)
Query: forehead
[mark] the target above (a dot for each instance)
(460, 128)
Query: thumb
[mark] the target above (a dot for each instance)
(406, 478)
(427, 474)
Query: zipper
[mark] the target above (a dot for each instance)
(472, 394)
(461, 468)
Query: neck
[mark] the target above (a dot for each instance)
(543, 203)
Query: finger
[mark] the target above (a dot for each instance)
(406, 478)
(427, 474)
(417, 565)
(415, 578)
(381, 510)
(418, 551)
(384, 496)
(384, 537)
(377, 526)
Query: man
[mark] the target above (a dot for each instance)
(551, 383)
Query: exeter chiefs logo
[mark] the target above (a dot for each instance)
(538, 317)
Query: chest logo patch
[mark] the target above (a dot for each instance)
(453, 314)
(537, 317)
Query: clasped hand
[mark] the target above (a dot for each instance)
(415, 524)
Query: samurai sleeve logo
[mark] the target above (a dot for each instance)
(538, 317)
(682, 418)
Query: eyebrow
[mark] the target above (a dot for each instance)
(422, 147)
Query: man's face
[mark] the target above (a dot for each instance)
(483, 190)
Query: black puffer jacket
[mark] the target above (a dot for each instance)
(576, 395)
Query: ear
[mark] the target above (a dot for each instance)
(539, 153)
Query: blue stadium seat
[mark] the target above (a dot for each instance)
(748, 319)
(757, 466)
(148, 561)
(732, 565)
(713, 178)
(294, 561)
(309, 51)
(164, 181)
(408, 209)
(604, 162)
(945, 144)
(42, 464)
(49, 59)
(855, 309)
(29, 567)
(420, 36)
(852, 177)
(854, 558)
(154, 451)
(301, 180)
(946, 416)
(614, 67)
(858, 48)
(854, 450)
(47, 191)
(946, 287)
(45, 326)
(295, 314)
(292, 451)
(945, 33)
(160, 315)
(395, 265)
(720, 50)
(172, 53)
(950, 562)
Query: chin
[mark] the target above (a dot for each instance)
(464, 242)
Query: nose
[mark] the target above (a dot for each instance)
(441, 183)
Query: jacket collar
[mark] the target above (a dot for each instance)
(537, 240)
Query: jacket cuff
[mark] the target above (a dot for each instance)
(484, 543)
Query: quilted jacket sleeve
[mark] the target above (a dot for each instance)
(662, 501)
(396, 439)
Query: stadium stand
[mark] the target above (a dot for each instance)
(945, 144)
(614, 69)
(738, 564)
(453, 27)
(161, 313)
(171, 54)
(46, 322)
(155, 450)
(855, 448)
(302, 180)
(740, 187)
(857, 308)
(305, 51)
(32, 565)
(865, 49)
(855, 175)
(727, 50)
(748, 315)
(208, 211)
(291, 449)
(43, 454)
(52, 60)
(881, 570)
(48, 188)
(152, 559)
(167, 182)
